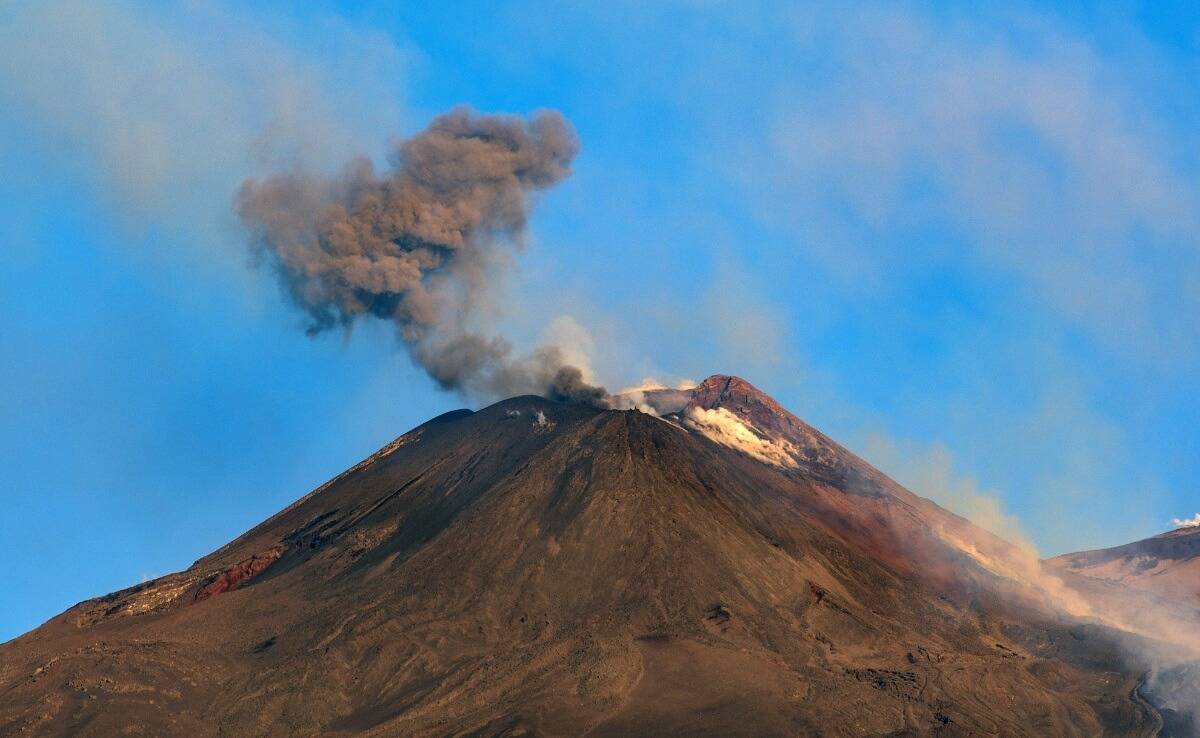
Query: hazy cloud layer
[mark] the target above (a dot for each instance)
(929, 471)
(1019, 144)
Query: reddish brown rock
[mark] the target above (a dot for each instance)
(234, 576)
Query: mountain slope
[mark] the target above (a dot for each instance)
(1156, 581)
(553, 568)
(1167, 565)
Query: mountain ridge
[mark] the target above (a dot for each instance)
(1166, 565)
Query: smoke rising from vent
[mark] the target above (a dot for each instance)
(727, 429)
(418, 244)
(1192, 522)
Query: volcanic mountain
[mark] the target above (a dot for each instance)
(707, 564)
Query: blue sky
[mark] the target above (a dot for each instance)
(962, 241)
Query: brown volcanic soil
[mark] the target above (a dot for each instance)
(607, 572)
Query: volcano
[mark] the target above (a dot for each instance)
(706, 564)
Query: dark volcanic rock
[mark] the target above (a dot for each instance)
(581, 571)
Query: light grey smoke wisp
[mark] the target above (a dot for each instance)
(416, 244)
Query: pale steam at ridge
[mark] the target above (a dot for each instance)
(1192, 522)
(418, 245)
(726, 428)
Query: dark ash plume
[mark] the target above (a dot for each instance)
(415, 244)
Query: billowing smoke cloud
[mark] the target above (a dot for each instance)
(417, 245)
(1192, 522)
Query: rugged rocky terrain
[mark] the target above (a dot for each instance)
(545, 568)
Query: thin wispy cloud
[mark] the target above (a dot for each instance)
(1005, 143)
(163, 109)
(930, 472)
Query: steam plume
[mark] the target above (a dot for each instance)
(727, 428)
(415, 245)
(1192, 522)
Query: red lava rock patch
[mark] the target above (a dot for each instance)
(243, 571)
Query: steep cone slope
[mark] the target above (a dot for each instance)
(542, 568)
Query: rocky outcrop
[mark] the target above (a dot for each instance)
(238, 574)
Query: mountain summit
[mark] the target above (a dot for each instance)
(706, 564)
